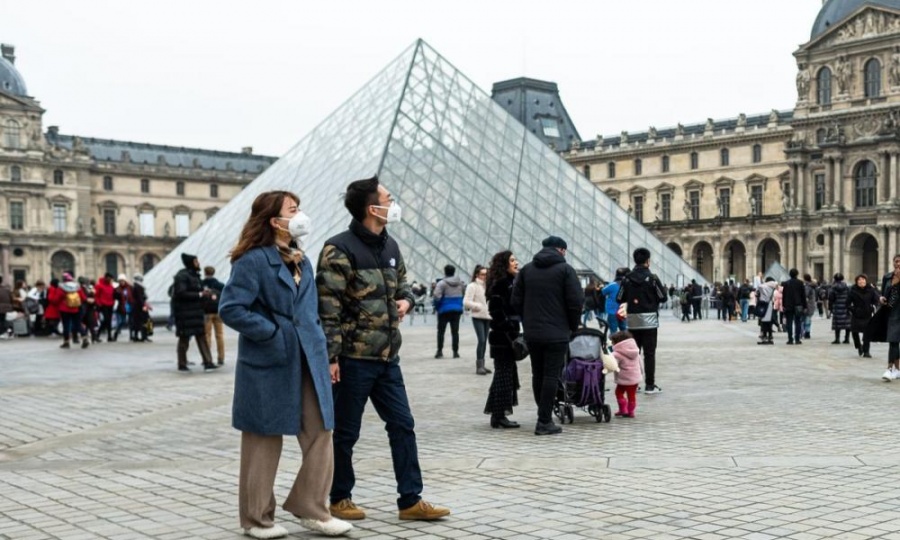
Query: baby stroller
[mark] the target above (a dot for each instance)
(582, 383)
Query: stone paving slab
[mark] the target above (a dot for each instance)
(744, 442)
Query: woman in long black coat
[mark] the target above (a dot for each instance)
(862, 301)
(840, 315)
(504, 328)
(187, 303)
(890, 291)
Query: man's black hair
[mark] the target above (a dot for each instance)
(794, 273)
(641, 256)
(449, 270)
(360, 195)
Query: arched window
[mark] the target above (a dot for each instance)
(695, 160)
(57, 177)
(724, 157)
(15, 173)
(873, 78)
(823, 87)
(62, 261)
(611, 169)
(757, 153)
(865, 184)
(11, 134)
(638, 167)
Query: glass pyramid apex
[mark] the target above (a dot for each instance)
(471, 179)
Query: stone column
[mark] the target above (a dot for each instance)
(804, 252)
(892, 188)
(809, 188)
(884, 247)
(798, 263)
(829, 254)
(891, 247)
(845, 188)
(884, 184)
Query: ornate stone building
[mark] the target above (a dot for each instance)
(91, 206)
(815, 188)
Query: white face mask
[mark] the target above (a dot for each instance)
(299, 227)
(394, 213)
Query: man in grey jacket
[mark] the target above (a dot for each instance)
(448, 299)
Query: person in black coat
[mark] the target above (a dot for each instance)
(840, 316)
(188, 297)
(548, 296)
(793, 303)
(139, 310)
(862, 301)
(504, 328)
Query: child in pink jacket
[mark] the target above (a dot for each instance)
(630, 373)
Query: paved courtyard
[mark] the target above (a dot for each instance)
(744, 442)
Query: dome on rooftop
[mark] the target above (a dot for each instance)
(11, 80)
(834, 11)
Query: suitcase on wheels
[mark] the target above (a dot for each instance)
(21, 327)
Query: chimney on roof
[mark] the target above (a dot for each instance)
(53, 130)
(9, 52)
(247, 150)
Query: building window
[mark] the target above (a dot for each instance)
(611, 169)
(109, 221)
(587, 172)
(725, 203)
(865, 184)
(148, 227)
(820, 190)
(695, 160)
(112, 263)
(148, 261)
(57, 177)
(15, 173)
(821, 135)
(639, 208)
(11, 134)
(16, 215)
(145, 185)
(107, 183)
(694, 201)
(214, 191)
(638, 167)
(666, 206)
(723, 157)
(873, 78)
(757, 153)
(179, 189)
(59, 218)
(550, 127)
(182, 225)
(756, 200)
(665, 164)
(823, 87)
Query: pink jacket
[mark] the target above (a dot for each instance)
(629, 358)
(778, 297)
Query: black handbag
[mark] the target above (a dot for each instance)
(876, 329)
(519, 348)
(761, 308)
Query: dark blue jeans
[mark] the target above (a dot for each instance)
(382, 382)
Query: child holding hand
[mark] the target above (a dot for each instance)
(630, 374)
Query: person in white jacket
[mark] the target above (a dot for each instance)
(476, 302)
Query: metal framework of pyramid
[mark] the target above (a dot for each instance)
(470, 178)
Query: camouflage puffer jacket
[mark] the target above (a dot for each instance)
(360, 277)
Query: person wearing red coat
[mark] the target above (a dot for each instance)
(104, 297)
(51, 310)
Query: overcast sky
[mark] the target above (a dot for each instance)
(225, 74)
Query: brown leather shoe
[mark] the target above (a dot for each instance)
(424, 511)
(345, 509)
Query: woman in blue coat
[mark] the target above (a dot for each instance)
(282, 380)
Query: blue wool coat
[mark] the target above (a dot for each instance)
(278, 322)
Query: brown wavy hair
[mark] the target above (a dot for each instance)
(257, 232)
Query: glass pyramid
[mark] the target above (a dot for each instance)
(470, 178)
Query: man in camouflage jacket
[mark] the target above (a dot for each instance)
(363, 296)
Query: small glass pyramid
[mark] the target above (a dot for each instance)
(471, 179)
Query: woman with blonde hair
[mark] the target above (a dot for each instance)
(282, 376)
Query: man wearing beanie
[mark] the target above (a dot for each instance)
(549, 297)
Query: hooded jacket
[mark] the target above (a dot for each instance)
(548, 296)
(628, 356)
(449, 294)
(643, 292)
(187, 299)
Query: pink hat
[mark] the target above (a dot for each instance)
(67, 276)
